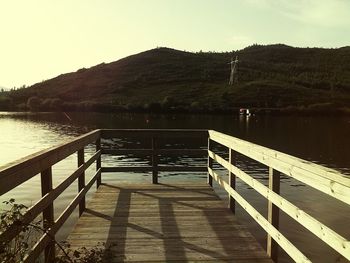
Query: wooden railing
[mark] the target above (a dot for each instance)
(154, 151)
(323, 179)
(318, 177)
(21, 171)
(41, 163)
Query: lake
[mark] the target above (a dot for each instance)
(323, 140)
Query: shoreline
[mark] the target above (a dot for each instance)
(299, 111)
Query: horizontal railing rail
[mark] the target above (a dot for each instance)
(149, 133)
(17, 173)
(166, 152)
(323, 179)
(22, 170)
(153, 136)
(46, 200)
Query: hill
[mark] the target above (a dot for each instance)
(273, 76)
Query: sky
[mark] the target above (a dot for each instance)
(41, 39)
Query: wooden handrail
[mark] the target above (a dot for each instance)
(46, 238)
(294, 253)
(16, 173)
(316, 176)
(152, 135)
(46, 201)
(323, 179)
(81, 180)
(98, 161)
(149, 133)
(164, 152)
(22, 170)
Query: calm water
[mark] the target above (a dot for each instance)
(323, 140)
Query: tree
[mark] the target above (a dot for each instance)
(51, 104)
(168, 102)
(33, 103)
(153, 107)
(6, 103)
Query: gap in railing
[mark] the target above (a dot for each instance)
(173, 177)
(72, 191)
(254, 198)
(113, 160)
(242, 188)
(141, 159)
(27, 193)
(60, 172)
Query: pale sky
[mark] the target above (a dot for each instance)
(40, 39)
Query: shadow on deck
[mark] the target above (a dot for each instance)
(162, 223)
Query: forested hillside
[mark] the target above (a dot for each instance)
(163, 79)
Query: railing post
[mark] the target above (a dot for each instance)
(210, 165)
(98, 162)
(273, 214)
(154, 162)
(232, 181)
(81, 180)
(48, 213)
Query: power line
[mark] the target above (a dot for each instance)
(234, 67)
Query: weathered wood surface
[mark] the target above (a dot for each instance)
(321, 178)
(16, 173)
(284, 243)
(333, 239)
(162, 223)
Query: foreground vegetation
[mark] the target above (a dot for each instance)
(17, 249)
(275, 78)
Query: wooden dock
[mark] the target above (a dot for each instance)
(163, 223)
(179, 222)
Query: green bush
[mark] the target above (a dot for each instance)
(16, 250)
(195, 106)
(6, 103)
(51, 104)
(34, 103)
(168, 102)
(153, 107)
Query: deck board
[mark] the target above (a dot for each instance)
(162, 223)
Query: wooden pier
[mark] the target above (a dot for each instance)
(162, 222)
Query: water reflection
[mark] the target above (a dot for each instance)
(244, 123)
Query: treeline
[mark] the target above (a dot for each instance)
(161, 80)
(170, 105)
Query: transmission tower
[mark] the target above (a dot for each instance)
(234, 66)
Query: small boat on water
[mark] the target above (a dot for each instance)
(244, 111)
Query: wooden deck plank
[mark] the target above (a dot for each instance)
(162, 223)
